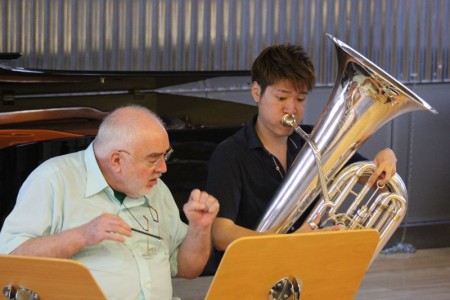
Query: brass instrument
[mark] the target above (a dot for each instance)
(363, 99)
(382, 208)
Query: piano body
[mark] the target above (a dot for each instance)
(47, 113)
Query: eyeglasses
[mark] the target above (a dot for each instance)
(151, 247)
(155, 218)
(151, 162)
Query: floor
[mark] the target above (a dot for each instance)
(423, 275)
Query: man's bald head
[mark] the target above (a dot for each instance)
(125, 126)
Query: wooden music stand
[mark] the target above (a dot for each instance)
(49, 278)
(329, 265)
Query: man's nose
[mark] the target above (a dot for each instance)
(161, 166)
(289, 107)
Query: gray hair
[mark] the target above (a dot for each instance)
(119, 131)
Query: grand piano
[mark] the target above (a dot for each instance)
(45, 113)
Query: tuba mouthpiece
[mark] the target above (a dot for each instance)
(289, 121)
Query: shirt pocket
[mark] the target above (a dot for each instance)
(107, 256)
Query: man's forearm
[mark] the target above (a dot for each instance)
(60, 245)
(194, 252)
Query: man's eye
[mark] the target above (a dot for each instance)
(153, 160)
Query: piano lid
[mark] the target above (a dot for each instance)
(19, 83)
(48, 104)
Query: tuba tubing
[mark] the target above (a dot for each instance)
(363, 99)
(382, 208)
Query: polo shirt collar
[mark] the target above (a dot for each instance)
(95, 181)
(251, 135)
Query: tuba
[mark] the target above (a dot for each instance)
(363, 99)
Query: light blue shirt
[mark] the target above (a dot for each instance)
(68, 191)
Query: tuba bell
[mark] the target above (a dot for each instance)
(363, 99)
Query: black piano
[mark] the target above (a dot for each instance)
(46, 113)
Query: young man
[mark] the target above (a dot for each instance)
(107, 208)
(246, 169)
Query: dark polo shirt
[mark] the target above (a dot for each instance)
(244, 177)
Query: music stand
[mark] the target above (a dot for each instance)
(49, 278)
(328, 265)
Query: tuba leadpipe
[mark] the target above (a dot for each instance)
(363, 99)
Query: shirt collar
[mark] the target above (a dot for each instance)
(252, 137)
(97, 183)
(95, 180)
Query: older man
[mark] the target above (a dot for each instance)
(107, 208)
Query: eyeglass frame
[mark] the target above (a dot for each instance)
(151, 209)
(166, 156)
(156, 220)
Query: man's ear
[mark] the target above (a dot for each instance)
(115, 159)
(256, 91)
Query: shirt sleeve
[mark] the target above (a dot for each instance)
(34, 215)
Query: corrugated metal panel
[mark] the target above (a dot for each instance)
(407, 38)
